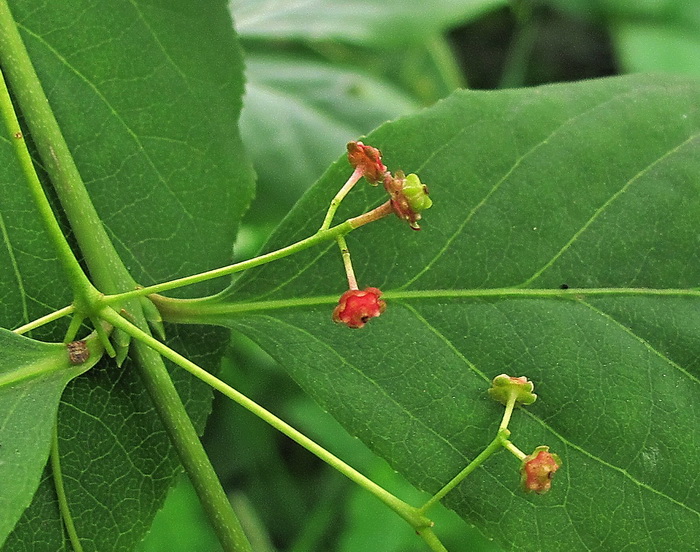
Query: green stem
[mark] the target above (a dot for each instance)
(431, 540)
(195, 311)
(184, 437)
(347, 262)
(65, 311)
(73, 328)
(406, 511)
(336, 201)
(66, 256)
(510, 405)
(497, 443)
(319, 237)
(63, 506)
(444, 58)
(510, 447)
(99, 253)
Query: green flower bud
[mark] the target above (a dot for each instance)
(416, 193)
(504, 386)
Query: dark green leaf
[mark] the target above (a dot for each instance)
(32, 378)
(149, 109)
(590, 185)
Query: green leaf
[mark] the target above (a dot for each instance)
(32, 378)
(355, 21)
(659, 48)
(299, 115)
(591, 186)
(648, 35)
(149, 110)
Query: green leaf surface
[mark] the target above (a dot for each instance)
(592, 186)
(355, 21)
(32, 377)
(298, 116)
(149, 111)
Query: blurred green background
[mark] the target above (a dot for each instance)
(318, 75)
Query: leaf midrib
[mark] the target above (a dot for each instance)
(223, 308)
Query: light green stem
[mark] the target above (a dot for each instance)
(99, 253)
(431, 540)
(519, 454)
(495, 445)
(406, 511)
(55, 315)
(197, 312)
(347, 262)
(336, 201)
(319, 237)
(444, 58)
(521, 46)
(510, 405)
(63, 506)
(66, 256)
(189, 448)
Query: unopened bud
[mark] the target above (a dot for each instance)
(538, 469)
(504, 386)
(368, 160)
(355, 307)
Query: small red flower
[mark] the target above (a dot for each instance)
(538, 469)
(356, 307)
(368, 160)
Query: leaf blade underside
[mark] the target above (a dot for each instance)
(589, 185)
(149, 111)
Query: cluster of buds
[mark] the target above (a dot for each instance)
(538, 468)
(407, 198)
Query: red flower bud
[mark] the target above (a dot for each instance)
(356, 307)
(368, 160)
(538, 469)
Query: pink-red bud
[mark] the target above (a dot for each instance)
(355, 307)
(368, 160)
(538, 469)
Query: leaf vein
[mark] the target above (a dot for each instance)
(605, 205)
(498, 185)
(135, 137)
